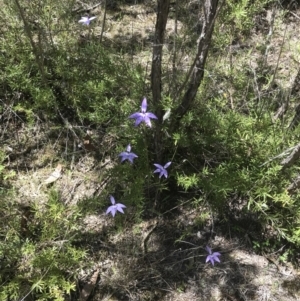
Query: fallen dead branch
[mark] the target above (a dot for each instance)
(287, 162)
(88, 288)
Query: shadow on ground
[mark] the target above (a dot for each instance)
(153, 260)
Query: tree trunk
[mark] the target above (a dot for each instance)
(156, 86)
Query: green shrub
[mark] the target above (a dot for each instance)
(52, 70)
(38, 258)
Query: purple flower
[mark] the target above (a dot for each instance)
(144, 116)
(86, 20)
(162, 169)
(114, 207)
(212, 257)
(128, 155)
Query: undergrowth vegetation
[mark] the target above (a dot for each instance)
(226, 151)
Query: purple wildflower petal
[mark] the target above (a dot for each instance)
(143, 116)
(112, 199)
(162, 169)
(83, 20)
(138, 120)
(167, 164)
(127, 155)
(131, 157)
(113, 211)
(147, 121)
(108, 210)
(135, 115)
(208, 249)
(115, 207)
(144, 105)
(217, 259)
(86, 20)
(120, 207)
(121, 210)
(123, 156)
(151, 115)
(212, 257)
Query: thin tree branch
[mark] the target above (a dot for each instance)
(174, 68)
(103, 21)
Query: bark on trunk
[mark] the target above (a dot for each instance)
(156, 86)
(197, 73)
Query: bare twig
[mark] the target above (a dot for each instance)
(294, 15)
(256, 87)
(282, 110)
(103, 21)
(174, 69)
(147, 236)
(279, 57)
(82, 9)
(270, 34)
